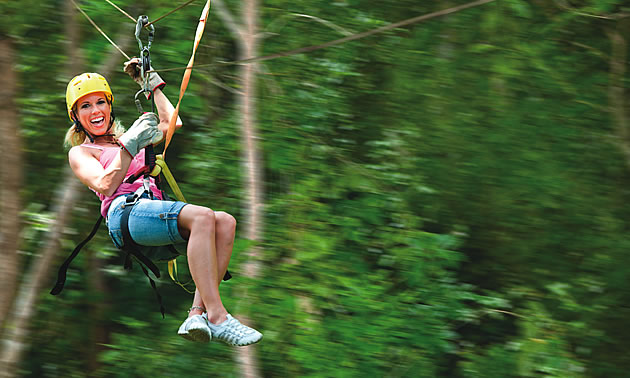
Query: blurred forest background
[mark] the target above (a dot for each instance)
(446, 199)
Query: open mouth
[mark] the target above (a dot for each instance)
(98, 121)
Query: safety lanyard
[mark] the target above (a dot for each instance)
(145, 67)
(145, 61)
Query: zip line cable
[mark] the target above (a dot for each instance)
(363, 34)
(339, 41)
(99, 29)
(122, 11)
(128, 16)
(297, 51)
(169, 13)
(157, 19)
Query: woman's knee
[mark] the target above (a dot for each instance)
(205, 218)
(193, 216)
(225, 221)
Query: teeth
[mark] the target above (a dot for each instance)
(97, 120)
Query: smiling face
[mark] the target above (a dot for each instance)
(94, 113)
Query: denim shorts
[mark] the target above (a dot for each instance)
(152, 224)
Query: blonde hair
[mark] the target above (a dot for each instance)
(75, 137)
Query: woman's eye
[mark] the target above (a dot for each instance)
(85, 106)
(101, 102)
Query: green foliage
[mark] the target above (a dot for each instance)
(129, 354)
(446, 199)
(541, 350)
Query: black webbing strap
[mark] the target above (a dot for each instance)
(63, 269)
(132, 248)
(131, 179)
(157, 293)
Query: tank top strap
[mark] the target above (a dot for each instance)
(92, 145)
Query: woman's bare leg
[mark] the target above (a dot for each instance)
(208, 233)
(199, 224)
(225, 231)
(198, 306)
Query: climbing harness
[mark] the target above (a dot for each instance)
(154, 166)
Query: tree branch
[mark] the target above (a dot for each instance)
(228, 20)
(613, 16)
(208, 78)
(331, 25)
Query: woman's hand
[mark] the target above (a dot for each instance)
(142, 133)
(164, 107)
(132, 69)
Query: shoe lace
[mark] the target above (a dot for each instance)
(236, 329)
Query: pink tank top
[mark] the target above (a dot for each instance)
(137, 164)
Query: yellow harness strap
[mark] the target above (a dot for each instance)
(161, 167)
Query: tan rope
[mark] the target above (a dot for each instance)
(122, 11)
(99, 29)
(349, 38)
(169, 13)
(157, 19)
(364, 34)
(128, 16)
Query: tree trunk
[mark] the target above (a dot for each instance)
(252, 162)
(251, 159)
(99, 332)
(247, 41)
(616, 90)
(29, 292)
(30, 289)
(11, 177)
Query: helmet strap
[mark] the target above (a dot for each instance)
(112, 117)
(79, 127)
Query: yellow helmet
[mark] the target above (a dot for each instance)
(83, 84)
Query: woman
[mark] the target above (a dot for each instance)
(103, 156)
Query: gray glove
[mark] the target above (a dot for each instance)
(132, 69)
(142, 133)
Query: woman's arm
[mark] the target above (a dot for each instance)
(165, 111)
(90, 171)
(164, 107)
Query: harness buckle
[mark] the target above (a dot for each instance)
(146, 188)
(133, 198)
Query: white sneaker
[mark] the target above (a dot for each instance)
(232, 332)
(195, 328)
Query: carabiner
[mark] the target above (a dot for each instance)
(144, 50)
(145, 61)
(139, 104)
